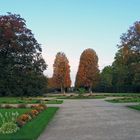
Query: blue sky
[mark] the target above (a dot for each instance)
(74, 25)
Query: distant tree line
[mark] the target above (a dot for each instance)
(122, 76)
(22, 65)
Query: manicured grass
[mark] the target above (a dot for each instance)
(121, 94)
(54, 102)
(34, 128)
(125, 100)
(20, 111)
(96, 95)
(136, 107)
(18, 100)
(81, 97)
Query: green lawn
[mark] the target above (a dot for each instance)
(33, 129)
(96, 95)
(20, 111)
(18, 100)
(120, 94)
(125, 100)
(137, 107)
(81, 97)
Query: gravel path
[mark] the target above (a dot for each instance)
(93, 119)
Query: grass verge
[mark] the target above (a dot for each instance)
(136, 107)
(81, 97)
(125, 100)
(18, 100)
(33, 129)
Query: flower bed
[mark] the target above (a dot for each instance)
(32, 129)
(28, 116)
(11, 122)
(8, 120)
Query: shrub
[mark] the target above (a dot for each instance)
(9, 127)
(39, 107)
(42, 105)
(8, 117)
(22, 106)
(46, 100)
(20, 123)
(34, 112)
(8, 122)
(24, 117)
(8, 106)
(81, 91)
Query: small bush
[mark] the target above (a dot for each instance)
(46, 100)
(8, 123)
(81, 91)
(9, 127)
(24, 117)
(8, 106)
(34, 112)
(22, 106)
(40, 107)
(20, 123)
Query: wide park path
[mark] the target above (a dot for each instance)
(93, 119)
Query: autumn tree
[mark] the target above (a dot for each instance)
(61, 73)
(21, 62)
(88, 72)
(50, 83)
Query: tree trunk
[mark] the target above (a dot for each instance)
(63, 90)
(90, 90)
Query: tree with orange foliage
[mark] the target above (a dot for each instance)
(61, 72)
(88, 72)
(50, 83)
